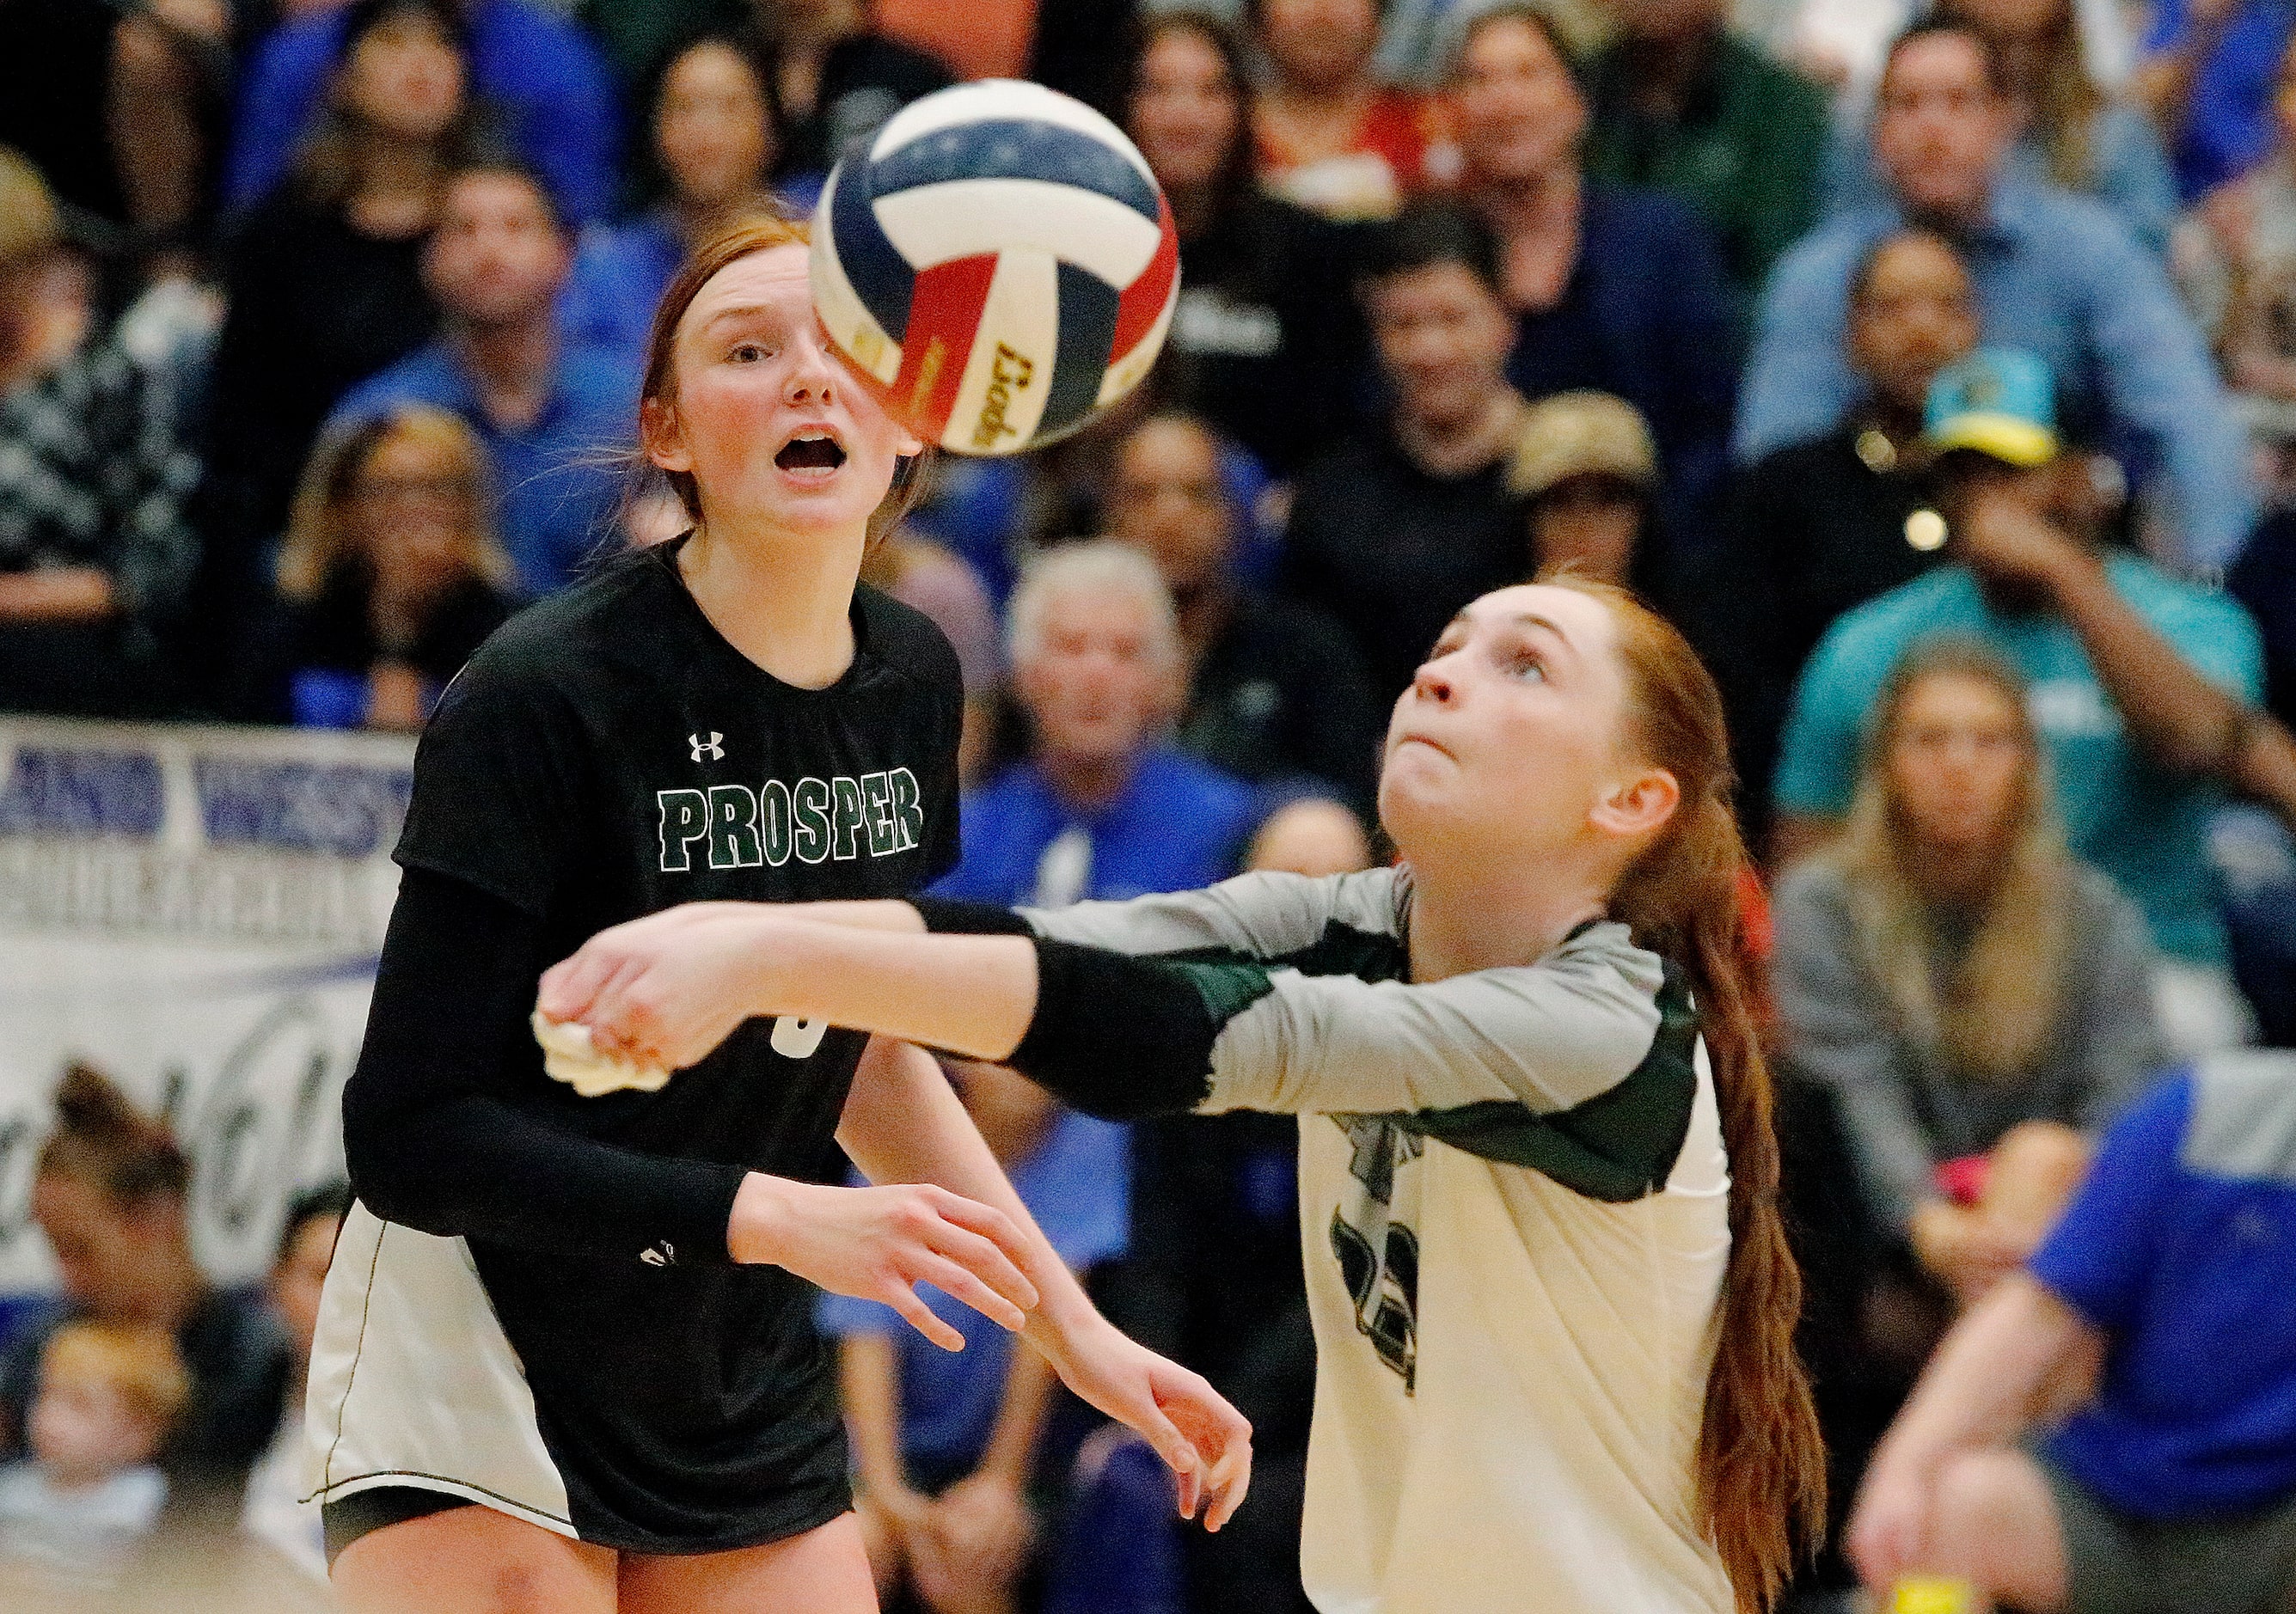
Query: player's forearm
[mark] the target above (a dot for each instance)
(970, 995)
(903, 1123)
(1980, 1389)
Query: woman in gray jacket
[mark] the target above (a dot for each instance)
(1978, 1000)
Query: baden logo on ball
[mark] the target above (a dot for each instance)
(998, 263)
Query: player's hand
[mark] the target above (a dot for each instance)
(878, 1243)
(1888, 1535)
(666, 989)
(975, 1538)
(1205, 1442)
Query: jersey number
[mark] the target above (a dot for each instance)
(795, 1039)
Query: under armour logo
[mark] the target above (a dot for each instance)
(708, 747)
(660, 1255)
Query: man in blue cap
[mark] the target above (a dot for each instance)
(2142, 687)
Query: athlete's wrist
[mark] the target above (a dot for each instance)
(756, 1232)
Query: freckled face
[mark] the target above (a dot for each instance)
(765, 416)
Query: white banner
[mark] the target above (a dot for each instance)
(196, 912)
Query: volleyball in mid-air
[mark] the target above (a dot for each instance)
(998, 263)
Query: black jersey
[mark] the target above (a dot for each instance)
(533, 1306)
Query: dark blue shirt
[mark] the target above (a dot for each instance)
(538, 71)
(2180, 1247)
(1646, 315)
(1178, 825)
(556, 500)
(2228, 111)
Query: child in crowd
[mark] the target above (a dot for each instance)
(91, 1489)
(947, 1442)
(278, 1511)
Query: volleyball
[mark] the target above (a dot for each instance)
(998, 263)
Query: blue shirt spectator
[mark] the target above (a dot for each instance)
(2175, 1247)
(2055, 275)
(1177, 825)
(2223, 122)
(557, 503)
(548, 410)
(618, 276)
(539, 70)
(2129, 172)
(2143, 825)
(1076, 1182)
(1104, 807)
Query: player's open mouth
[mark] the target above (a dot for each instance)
(811, 453)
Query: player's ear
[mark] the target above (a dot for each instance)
(665, 443)
(1639, 807)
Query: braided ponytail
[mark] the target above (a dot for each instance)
(1761, 1462)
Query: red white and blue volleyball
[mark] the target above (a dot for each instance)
(998, 263)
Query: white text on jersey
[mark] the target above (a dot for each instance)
(814, 820)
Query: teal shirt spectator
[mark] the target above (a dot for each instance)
(2142, 824)
(2060, 276)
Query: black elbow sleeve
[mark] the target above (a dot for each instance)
(1116, 1036)
(944, 917)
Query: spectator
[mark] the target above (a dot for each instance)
(1311, 835)
(324, 278)
(1264, 342)
(1682, 104)
(1585, 463)
(2172, 1486)
(1976, 997)
(1330, 136)
(2207, 82)
(545, 407)
(1104, 807)
(2054, 272)
(920, 574)
(1392, 535)
(2136, 678)
(2236, 262)
(1818, 528)
(1615, 290)
(947, 1445)
(277, 1511)
(712, 145)
(388, 579)
(992, 39)
(1275, 689)
(96, 549)
(90, 1491)
(170, 78)
(2073, 133)
(835, 80)
(108, 1192)
(537, 67)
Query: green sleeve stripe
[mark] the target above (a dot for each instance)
(1617, 1146)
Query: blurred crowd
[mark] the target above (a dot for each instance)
(1933, 366)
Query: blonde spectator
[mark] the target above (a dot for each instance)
(1978, 999)
(91, 1489)
(388, 579)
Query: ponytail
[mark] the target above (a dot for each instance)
(1761, 1475)
(104, 1142)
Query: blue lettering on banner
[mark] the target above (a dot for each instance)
(340, 808)
(69, 790)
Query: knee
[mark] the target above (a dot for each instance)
(1994, 1525)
